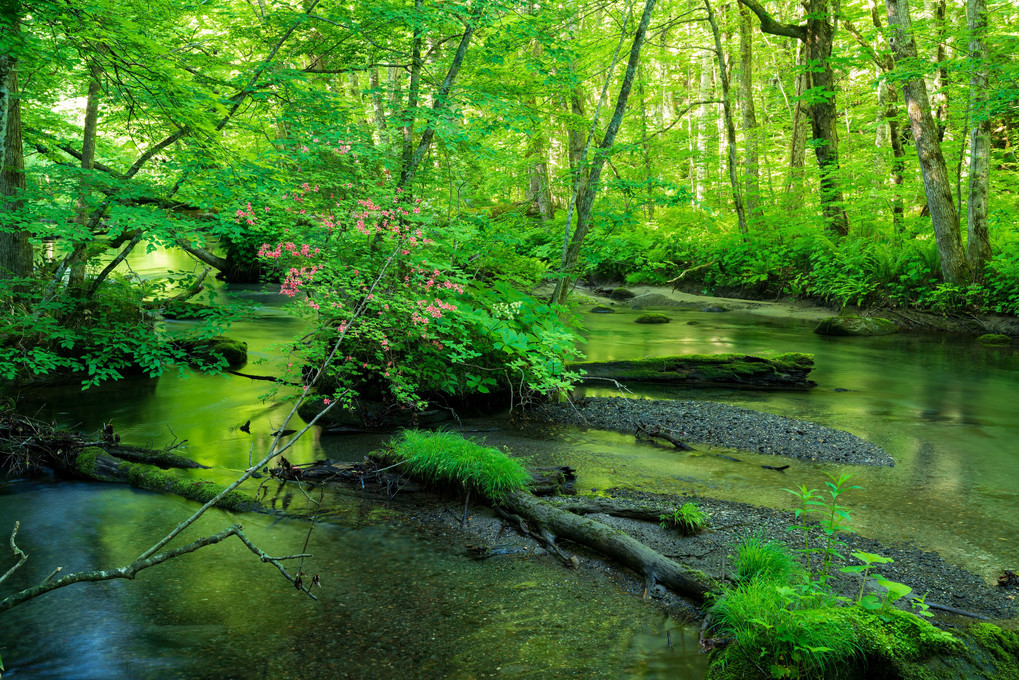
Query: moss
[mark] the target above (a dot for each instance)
(789, 370)
(85, 462)
(652, 317)
(852, 325)
(622, 294)
(152, 479)
(994, 339)
(602, 309)
(211, 350)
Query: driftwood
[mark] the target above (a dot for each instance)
(653, 566)
(656, 432)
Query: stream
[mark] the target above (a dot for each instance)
(401, 602)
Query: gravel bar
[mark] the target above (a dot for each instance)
(710, 422)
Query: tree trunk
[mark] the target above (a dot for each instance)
(751, 169)
(940, 98)
(798, 146)
(978, 246)
(586, 202)
(15, 248)
(823, 114)
(730, 126)
(954, 268)
(703, 124)
(76, 263)
(378, 109)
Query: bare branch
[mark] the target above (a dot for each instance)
(18, 553)
(113, 265)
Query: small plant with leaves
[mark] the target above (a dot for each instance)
(833, 520)
(869, 560)
(687, 519)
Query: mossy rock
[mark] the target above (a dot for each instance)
(714, 308)
(210, 350)
(852, 325)
(622, 294)
(994, 339)
(602, 309)
(701, 370)
(652, 317)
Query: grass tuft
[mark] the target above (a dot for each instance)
(448, 458)
(758, 558)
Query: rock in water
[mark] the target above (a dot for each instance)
(852, 325)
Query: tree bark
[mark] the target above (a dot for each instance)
(76, 263)
(818, 35)
(378, 109)
(978, 246)
(586, 202)
(730, 126)
(798, 145)
(954, 268)
(751, 164)
(703, 125)
(15, 247)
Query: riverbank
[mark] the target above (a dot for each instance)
(794, 308)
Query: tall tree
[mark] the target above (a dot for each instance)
(818, 34)
(15, 247)
(954, 267)
(751, 164)
(978, 245)
(586, 201)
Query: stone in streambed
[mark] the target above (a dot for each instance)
(994, 339)
(602, 309)
(652, 317)
(852, 325)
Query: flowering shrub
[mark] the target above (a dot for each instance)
(377, 268)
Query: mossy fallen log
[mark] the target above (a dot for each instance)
(785, 371)
(652, 565)
(96, 464)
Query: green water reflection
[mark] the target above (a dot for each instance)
(942, 406)
(395, 603)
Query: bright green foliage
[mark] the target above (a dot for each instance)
(446, 458)
(832, 519)
(760, 559)
(686, 519)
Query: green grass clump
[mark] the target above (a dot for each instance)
(687, 519)
(757, 558)
(448, 458)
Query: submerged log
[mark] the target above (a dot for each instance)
(707, 370)
(96, 464)
(653, 566)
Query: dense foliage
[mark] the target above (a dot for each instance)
(489, 118)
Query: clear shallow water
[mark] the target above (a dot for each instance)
(399, 604)
(944, 407)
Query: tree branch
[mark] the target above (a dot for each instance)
(131, 570)
(769, 25)
(18, 553)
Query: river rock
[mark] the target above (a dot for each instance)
(652, 317)
(602, 309)
(714, 308)
(656, 300)
(994, 339)
(852, 325)
(205, 350)
(622, 294)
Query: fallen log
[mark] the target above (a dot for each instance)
(95, 464)
(785, 371)
(653, 566)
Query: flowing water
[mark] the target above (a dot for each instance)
(399, 602)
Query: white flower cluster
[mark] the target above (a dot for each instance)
(506, 310)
